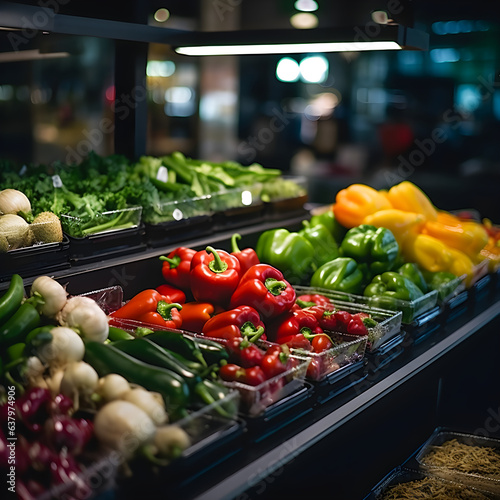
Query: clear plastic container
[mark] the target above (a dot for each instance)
(347, 351)
(254, 400)
(237, 207)
(388, 322)
(447, 291)
(410, 309)
(479, 474)
(418, 484)
(285, 195)
(24, 235)
(105, 222)
(236, 198)
(177, 210)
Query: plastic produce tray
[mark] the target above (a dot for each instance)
(348, 350)
(279, 207)
(107, 245)
(38, 259)
(76, 226)
(478, 477)
(389, 322)
(181, 220)
(237, 207)
(400, 475)
(256, 399)
(410, 309)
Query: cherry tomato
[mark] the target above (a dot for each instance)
(321, 342)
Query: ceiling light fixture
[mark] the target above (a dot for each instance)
(306, 5)
(351, 39)
(304, 21)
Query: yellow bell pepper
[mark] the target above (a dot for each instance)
(467, 236)
(410, 198)
(355, 202)
(461, 265)
(491, 252)
(399, 222)
(428, 252)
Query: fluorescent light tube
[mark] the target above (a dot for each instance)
(286, 48)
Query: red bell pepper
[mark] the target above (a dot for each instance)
(294, 328)
(359, 324)
(244, 352)
(264, 288)
(325, 314)
(172, 293)
(214, 275)
(238, 322)
(195, 314)
(177, 266)
(310, 300)
(150, 306)
(247, 257)
(275, 361)
(232, 372)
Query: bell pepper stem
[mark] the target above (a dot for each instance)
(248, 329)
(217, 265)
(164, 309)
(234, 242)
(303, 304)
(174, 261)
(309, 335)
(274, 286)
(258, 333)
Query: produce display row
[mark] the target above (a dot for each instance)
(73, 213)
(82, 390)
(221, 342)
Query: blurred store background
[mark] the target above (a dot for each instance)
(432, 117)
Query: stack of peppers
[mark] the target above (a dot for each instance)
(436, 240)
(236, 299)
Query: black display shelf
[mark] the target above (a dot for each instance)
(254, 470)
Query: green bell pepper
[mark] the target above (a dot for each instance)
(394, 285)
(327, 218)
(411, 271)
(325, 246)
(341, 274)
(392, 291)
(374, 249)
(442, 281)
(290, 252)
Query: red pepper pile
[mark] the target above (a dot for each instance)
(253, 366)
(233, 297)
